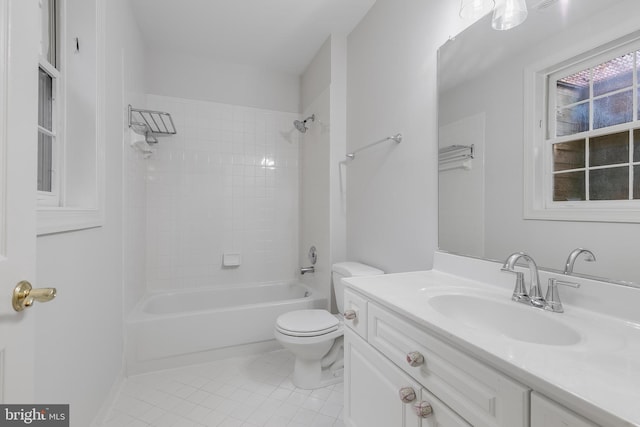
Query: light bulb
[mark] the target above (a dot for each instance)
(475, 9)
(508, 14)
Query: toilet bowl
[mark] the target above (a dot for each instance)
(315, 337)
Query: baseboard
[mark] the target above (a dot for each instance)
(113, 394)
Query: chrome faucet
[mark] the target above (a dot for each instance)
(534, 296)
(568, 266)
(304, 270)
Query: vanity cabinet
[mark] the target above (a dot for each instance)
(396, 354)
(378, 393)
(546, 413)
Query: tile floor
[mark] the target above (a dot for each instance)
(244, 392)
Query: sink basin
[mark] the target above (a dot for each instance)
(516, 321)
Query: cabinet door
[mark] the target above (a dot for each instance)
(546, 413)
(372, 385)
(372, 392)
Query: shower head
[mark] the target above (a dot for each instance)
(302, 125)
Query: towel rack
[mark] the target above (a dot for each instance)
(397, 138)
(151, 123)
(455, 156)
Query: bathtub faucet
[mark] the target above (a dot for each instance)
(311, 269)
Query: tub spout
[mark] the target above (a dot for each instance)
(304, 270)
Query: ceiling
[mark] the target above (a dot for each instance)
(280, 35)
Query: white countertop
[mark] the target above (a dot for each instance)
(598, 377)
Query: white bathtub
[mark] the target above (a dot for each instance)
(190, 326)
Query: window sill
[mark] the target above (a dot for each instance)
(59, 220)
(574, 214)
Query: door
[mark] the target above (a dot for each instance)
(19, 50)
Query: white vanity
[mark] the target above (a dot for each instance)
(448, 347)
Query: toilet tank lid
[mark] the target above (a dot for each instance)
(352, 269)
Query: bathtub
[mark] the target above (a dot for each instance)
(169, 329)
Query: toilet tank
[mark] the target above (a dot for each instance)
(342, 270)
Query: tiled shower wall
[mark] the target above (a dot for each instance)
(227, 182)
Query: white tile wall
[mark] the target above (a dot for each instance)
(228, 181)
(134, 224)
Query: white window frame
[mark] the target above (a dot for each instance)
(53, 197)
(538, 156)
(59, 216)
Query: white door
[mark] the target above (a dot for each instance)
(19, 39)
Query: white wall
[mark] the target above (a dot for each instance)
(227, 182)
(314, 195)
(392, 190)
(79, 337)
(338, 149)
(461, 190)
(191, 77)
(316, 77)
(322, 148)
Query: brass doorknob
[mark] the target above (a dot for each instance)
(24, 295)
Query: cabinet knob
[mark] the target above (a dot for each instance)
(423, 409)
(407, 394)
(415, 358)
(350, 314)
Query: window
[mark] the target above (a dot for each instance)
(593, 129)
(49, 111)
(71, 120)
(582, 135)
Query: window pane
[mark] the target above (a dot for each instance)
(573, 88)
(609, 149)
(45, 100)
(613, 75)
(638, 103)
(569, 155)
(45, 161)
(613, 110)
(568, 187)
(572, 120)
(609, 184)
(636, 145)
(48, 33)
(636, 182)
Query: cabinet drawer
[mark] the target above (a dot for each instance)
(481, 395)
(545, 413)
(357, 304)
(442, 416)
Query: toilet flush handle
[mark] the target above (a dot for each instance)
(350, 314)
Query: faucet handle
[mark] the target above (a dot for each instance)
(520, 291)
(552, 298)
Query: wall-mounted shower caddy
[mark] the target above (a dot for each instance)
(151, 124)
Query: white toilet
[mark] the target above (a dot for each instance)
(315, 336)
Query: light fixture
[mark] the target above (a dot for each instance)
(508, 14)
(473, 10)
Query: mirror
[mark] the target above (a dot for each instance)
(481, 85)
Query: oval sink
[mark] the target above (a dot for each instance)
(514, 320)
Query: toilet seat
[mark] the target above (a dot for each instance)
(307, 323)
